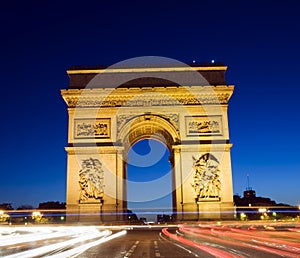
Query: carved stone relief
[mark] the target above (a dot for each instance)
(123, 119)
(173, 119)
(91, 177)
(206, 177)
(89, 128)
(130, 101)
(202, 125)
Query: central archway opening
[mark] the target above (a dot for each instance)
(149, 180)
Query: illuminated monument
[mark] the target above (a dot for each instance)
(184, 107)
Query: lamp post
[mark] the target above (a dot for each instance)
(117, 214)
(197, 203)
(182, 211)
(101, 204)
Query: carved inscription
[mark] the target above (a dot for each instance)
(206, 177)
(91, 178)
(99, 128)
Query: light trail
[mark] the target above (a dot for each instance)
(11, 238)
(49, 248)
(294, 229)
(211, 250)
(240, 232)
(80, 249)
(34, 235)
(283, 250)
(176, 244)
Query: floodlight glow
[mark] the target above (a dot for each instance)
(36, 214)
(262, 210)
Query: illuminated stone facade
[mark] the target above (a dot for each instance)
(111, 109)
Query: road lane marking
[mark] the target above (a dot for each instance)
(132, 249)
(211, 250)
(178, 245)
(156, 250)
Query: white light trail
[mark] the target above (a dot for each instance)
(80, 234)
(80, 249)
(23, 238)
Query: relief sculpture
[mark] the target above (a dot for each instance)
(206, 177)
(91, 128)
(172, 118)
(204, 127)
(91, 178)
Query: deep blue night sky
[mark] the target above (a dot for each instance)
(258, 40)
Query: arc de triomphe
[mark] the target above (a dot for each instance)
(184, 107)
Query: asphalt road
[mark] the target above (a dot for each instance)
(152, 242)
(203, 240)
(149, 242)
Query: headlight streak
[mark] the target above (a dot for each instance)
(33, 236)
(80, 249)
(80, 234)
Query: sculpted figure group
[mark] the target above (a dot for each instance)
(91, 179)
(206, 178)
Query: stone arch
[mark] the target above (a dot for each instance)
(181, 117)
(148, 126)
(158, 127)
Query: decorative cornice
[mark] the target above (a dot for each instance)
(148, 69)
(212, 147)
(147, 97)
(95, 150)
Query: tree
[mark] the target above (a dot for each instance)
(6, 206)
(25, 207)
(53, 215)
(51, 205)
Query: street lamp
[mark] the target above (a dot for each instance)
(262, 210)
(3, 216)
(36, 214)
(243, 216)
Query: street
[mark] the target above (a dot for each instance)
(186, 240)
(145, 242)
